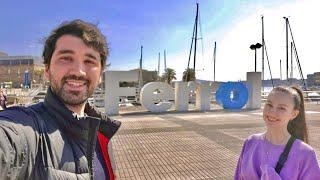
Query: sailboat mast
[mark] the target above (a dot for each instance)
(214, 61)
(165, 59)
(159, 65)
(195, 40)
(264, 51)
(262, 42)
(280, 71)
(296, 56)
(194, 27)
(291, 72)
(140, 71)
(287, 49)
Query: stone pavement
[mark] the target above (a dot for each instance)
(191, 145)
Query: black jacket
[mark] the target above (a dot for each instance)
(48, 141)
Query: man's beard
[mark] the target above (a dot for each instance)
(72, 98)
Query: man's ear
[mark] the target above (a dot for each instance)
(294, 113)
(46, 72)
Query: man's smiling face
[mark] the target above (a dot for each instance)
(74, 71)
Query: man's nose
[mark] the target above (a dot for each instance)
(78, 69)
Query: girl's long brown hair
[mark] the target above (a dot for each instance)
(298, 126)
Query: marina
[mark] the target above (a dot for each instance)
(188, 82)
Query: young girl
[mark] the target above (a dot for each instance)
(284, 116)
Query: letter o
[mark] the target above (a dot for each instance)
(232, 95)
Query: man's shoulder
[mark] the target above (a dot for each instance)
(20, 114)
(109, 126)
(14, 112)
(92, 111)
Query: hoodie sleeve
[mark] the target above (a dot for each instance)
(268, 172)
(310, 167)
(237, 175)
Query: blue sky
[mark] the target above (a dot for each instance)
(159, 25)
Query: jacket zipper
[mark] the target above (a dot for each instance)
(91, 144)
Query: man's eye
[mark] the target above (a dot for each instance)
(66, 58)
(269, 105)
(89, 62)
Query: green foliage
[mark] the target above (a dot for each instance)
(169, 75)
(188, 75)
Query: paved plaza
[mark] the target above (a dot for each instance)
(190, 145)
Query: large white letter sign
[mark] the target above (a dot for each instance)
(155, 96)
(182, 91)
(113, 91)
(254, 85)
(203, 96)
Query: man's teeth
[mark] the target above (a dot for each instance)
(75, 83)
(272, 119)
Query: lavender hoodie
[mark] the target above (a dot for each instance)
(259, 157)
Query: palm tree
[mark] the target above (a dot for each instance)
(188, 75)
(169, 75)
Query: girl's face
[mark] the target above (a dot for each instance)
(279, 110)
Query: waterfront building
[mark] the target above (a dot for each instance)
(313, 79)
(18, 71)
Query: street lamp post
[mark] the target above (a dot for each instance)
(255, 47)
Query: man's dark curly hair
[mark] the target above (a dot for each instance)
(89, 33)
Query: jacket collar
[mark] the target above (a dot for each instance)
(79, 127)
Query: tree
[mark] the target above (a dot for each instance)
(169, 75)
(188, 75)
